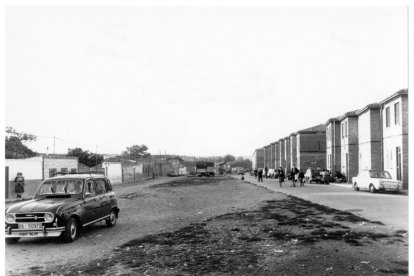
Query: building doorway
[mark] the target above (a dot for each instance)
(398, 160)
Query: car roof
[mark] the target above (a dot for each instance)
(78, 176)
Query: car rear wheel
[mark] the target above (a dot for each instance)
(12, 240)
(372, 188)
(71, 230)
(356, 188)
(111, 221)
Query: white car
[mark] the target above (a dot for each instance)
(375, 180)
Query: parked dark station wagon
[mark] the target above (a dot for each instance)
(61, 206)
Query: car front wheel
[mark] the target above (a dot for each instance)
(12, 240)
(372, 188)
(356, 188)
(71, 230)
(111, 221)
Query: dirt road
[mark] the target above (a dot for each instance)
(217, 226)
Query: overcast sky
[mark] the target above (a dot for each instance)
(194, 80)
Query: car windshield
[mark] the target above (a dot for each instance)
(60, 187)
(380, 174)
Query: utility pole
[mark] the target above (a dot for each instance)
(54, 145)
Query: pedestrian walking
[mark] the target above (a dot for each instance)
(327, 177)
(301, 175)
(265, 171)
(260, 175)
(255, 172)
(281, 176)
(293, 175)
(19, 185)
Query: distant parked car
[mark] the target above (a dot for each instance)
(172, 174)
(339, 177)
(61, 206)
(375, 180)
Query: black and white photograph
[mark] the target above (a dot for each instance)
(202, 138)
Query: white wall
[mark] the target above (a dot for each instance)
(182, 171)
(113, 171)
(30, 167)
(389, 151)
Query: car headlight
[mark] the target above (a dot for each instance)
(49, 217)
(10, 218)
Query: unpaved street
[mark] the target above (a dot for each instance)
(144, 211)
(221, 225)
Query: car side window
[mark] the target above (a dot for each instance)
(100, 186)
(90, 188)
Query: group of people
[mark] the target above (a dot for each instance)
(294, 175)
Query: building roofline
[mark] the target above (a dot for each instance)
(312, 132)
(368, 107)
(315, 129)
(333, 119)
(349, 114)
(400, 93)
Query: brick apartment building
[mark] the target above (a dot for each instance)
(282, 157)
(258, 159)
(374, 137)
(272, 155)
(333, 145)
(349, 145)
(369, 137)
(394, 116)
(292, 150)
(267, 156)
(311, 148)
(287, 154)
(277, 154)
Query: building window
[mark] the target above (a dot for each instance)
(52, 172)
(342, 130)
(64, 170)
(72, 171)
(397, 113)
(387, 117)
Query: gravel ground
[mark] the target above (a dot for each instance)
(224, 226)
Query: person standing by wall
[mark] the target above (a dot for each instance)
(19, 185)
(300, 178)
(260, 175)
(281, 176)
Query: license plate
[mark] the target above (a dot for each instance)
(30, 225)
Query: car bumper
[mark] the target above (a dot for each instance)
(389, 189)
(30, 233)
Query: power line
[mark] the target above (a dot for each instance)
(75, 143)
